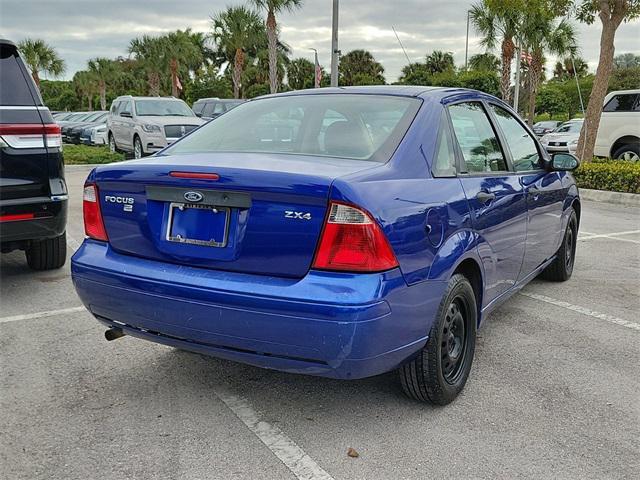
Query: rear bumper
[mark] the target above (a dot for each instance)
(50, 221)
(327, 324)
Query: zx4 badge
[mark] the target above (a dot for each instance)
(297, 215)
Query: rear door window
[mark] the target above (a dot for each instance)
(14, 89)
(622, 103)
(523, 148)
(478, 141)
(207, 111)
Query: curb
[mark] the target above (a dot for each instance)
(619, 198)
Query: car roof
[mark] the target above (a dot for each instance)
(4, 41)
(129, 97)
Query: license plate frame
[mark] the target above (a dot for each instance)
(195, 241)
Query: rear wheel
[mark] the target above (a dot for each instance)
(137, 148)
(562, 267)
(47, 254)
(440, 371)
(629, 153)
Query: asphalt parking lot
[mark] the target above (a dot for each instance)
(554, 390)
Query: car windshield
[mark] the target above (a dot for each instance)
(573, 127)
(546, 124)
(162, 108)
(361, 127)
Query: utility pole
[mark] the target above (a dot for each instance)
(516, 94)
(466, 47)
(334, 46)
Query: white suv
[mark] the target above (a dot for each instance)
(144, 125)
(619, 130)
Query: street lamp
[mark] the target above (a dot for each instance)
(466, 47)
(334, 46)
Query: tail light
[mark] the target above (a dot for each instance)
(31, 135)
(93, 224)
(352, 241)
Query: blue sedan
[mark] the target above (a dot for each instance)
(334, 232)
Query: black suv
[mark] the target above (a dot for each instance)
(33, 192)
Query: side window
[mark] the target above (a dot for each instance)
(114, 108)
(444, 162)
(124, 107)
(522, 147)
(219, 108)
(207, 111)
(14, 89)
(621, 103)
(479, 144)
(197, 107)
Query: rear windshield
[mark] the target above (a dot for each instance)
(360, 127)
(14, 89)
(162, 108)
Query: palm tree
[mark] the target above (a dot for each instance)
(359, 67)
(103, 71)
(272, 7)
(439, 62)
(498, 22)
(179, 49)
(541, 31)
(301, 73)
(565, 69)
(484, 62)
(41, 58)
(236, 30)
(85, 86)
(150, 52)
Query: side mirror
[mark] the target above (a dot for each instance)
(126, 114)
(564, 162)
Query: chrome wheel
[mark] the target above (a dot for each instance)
(629, 156)
(137, 148)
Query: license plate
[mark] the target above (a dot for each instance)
(204, 225)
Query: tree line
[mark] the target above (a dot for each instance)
(242, 56)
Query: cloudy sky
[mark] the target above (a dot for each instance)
(83, 29)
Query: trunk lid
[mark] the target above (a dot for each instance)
(263, 215)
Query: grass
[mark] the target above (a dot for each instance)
(86, 155)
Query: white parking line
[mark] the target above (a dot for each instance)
(583, 310)
(294, 458)
(73, 243)
(611, 236)
(33, 316)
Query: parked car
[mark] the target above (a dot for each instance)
(70, 126)
(376, 235)
(94, 135)
(145, 125)
(74, 132)
(33, 192)
(619, 130)
(547, 126)
(210, 108)
(565, 134)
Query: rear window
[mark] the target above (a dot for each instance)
(360, 127)
(14, 89)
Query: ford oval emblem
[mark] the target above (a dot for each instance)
(193, 197)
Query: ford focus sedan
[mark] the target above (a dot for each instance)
(334, 232)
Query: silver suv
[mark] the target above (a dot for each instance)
(144, 125)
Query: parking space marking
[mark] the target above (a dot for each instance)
(33, 316)
(611, 236)
(73, 243)
(294, 458)
(583, 310)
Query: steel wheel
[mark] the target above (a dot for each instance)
(629, 156)
(454, 339)
(570, 248)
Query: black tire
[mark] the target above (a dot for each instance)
(47, 254)
(562, 267)
(439, 372)
(629, 153)
(138, 151)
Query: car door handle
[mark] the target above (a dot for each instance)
(486, 197)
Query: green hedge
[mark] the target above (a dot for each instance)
(84, 154)
(612, 175)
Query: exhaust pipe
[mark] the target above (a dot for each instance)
(113, 334)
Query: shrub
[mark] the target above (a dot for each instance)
(84, 154)
(612, 175)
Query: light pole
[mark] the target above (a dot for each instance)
(334, 46)
(466, 46)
